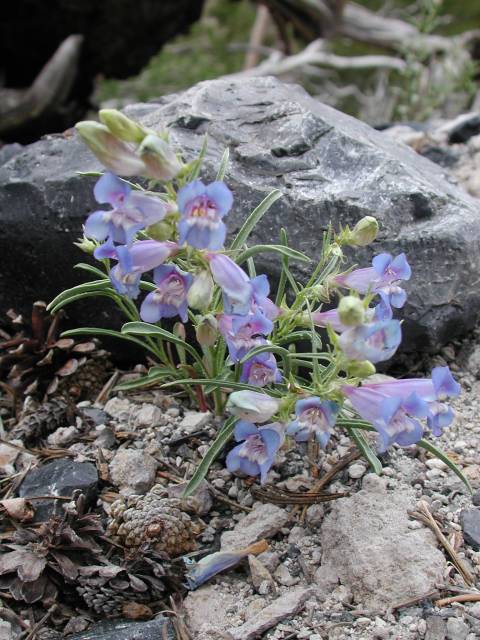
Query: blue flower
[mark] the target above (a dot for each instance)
(376, 342)
(261, 370)
(242, 333)
(381, 277)
(132, 262)
(256, 453)
(131, 211)
(202, 208)
(394, 418)
(170, 297)
(314, 417)
(234, 282)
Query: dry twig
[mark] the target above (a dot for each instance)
(465, 597)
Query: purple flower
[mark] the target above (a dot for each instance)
(433, 391)
(132, 262)
(376, 342)
(131, 211)
(314, 417)
(381, 277)
(170, 297)
(393, 418)
(242, 333)
(234, 282)
(260, 299)
(256, 453)
(202, 208)
(261, 370)
(329, 318)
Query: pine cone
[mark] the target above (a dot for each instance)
(107, 589)
(163, 522)
(47, 419)
(89, 378)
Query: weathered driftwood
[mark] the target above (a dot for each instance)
(50, 88)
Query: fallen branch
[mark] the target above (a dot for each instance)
(466, 597)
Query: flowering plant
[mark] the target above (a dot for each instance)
(245, 361)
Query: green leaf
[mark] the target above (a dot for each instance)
(271, 348)
(366, 450)
(222, 170)
(220, 441)
(226, 384)
(146, 329)
(272, 248)
(91, 269)
(441, 455)
(283, 276)
(253, 219)
(154, 375)
(95, 285)
(81, 296)
(197, 164)
(98, 331)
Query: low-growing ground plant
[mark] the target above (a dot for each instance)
(163, 261)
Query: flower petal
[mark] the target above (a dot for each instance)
(109, 188)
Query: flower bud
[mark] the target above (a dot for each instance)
(252, 406)
(159, 158)
(121, 126)
(364, 232)
(360, 368)
(351, 311)
(200, 293)
(207, 331)
(86, 245)
(114, 154)
(179, 331)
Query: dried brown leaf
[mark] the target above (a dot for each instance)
(10, 561)
(68, 368)
(32, 566)
(18, 509)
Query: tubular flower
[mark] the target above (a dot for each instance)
(170, 297)
(261, 370)
(234, 282)
(434, 391)
(376, 342)
(314, 417)
(327, 318)
(242, 333)
(131, 211)
(393, 418)
(132, 262)
(381, 277)
(252, 405)
(202, 208)
(256, 453)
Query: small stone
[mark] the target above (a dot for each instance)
(422, 627)
(8, 455)
(60, 477)
(209, 609)
(470, 521)
(62, 436)
(432, 474)
(356, 470)
(133, 471)
(6, 631)
(263, 522)
(342, 594)
(457, 629)
(194, 421)
(436, 628)
(258, 572)
(363, 622)
(118, 408)
(201, 493)
(435, 463)
(315, 514)
(280, 609)
(270, 560)
(474, 610)
(148, 416)
(382, 633)
(374, 483)
(283, 576)
(476, 498)
(254, 607)
(296, 534)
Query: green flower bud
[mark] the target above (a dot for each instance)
(86, 245)
(114, 154)
(159, 158)
(207, 331)
(351, 311)
(121, 126)
(252, 406)
(360, 368)
(200, 294)
(364, 232)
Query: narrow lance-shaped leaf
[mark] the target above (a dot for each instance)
(253, 219)
(223, 165)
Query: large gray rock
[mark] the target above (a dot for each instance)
(329, 166)
(368, 546)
